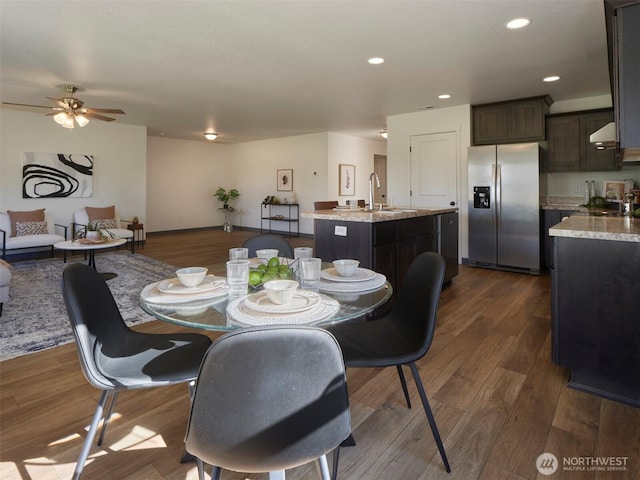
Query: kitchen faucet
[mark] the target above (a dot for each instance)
(372, 205)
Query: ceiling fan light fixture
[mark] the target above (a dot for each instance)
(68, 122)
(82, 120)
(210, 136)
(60, 118)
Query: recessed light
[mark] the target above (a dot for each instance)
(444, 96)
(210, 136)
(552, 78)
(376, 60)
(517, 23)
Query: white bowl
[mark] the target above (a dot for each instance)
(280, 291)
(346, 268)
(191, 276)
(267, 253)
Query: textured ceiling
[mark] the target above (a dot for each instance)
(255, 70)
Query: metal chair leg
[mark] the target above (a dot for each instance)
(336, 460)
(86, 447)
(107, 417)
(403, 382)
(427, 409)
(324, 468)
(215, 473)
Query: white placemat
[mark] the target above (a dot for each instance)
(238, 312)
(151, 294)
(340, 287)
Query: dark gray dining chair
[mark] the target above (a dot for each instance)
(269, 399)
(113, 357)
(268, 240)
(402, 336)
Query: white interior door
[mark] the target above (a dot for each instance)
(434, 170)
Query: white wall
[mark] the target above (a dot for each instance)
(119, 151)
(352, 151)
(255, 163)
(182, 176)
(401, 128)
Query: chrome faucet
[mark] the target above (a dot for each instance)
(374, 175)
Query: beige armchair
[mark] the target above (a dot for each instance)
(106, 219)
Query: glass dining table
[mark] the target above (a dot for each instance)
(225, 313)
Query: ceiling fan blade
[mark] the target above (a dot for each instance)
(98, 117)
(25, 105)
(59, 102)
(104, 110)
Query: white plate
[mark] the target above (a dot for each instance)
(174, 286)
(361, 275)
(301, 301)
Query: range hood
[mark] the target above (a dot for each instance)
(604, 137)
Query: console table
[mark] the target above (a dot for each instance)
(282, 215)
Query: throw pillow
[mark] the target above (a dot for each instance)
(102, 223)
(95, 213)
(31, 228)
(25, 216)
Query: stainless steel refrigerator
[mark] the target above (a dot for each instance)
(506, 184)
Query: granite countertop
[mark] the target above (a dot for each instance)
(397, 213)
(621, 229)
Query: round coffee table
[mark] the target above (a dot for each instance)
(91, 247)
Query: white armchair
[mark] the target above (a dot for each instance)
(120, 230)
(5, 278)
(12, 242)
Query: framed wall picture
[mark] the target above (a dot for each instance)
(347, 179)
(57, 175)
(613, 190)
(285, 180)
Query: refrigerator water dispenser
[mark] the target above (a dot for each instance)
(481, 197)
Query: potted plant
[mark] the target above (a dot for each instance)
(224, 196)
(93, 233)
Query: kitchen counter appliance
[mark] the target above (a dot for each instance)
(506, 184)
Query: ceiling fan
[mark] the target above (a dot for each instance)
(70, 109)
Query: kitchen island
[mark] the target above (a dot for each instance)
(596, 304)
(387, 241)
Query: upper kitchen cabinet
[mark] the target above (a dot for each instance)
(569, 149)
(627, 73)
(514, 121)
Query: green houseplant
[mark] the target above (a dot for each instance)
(224, 196)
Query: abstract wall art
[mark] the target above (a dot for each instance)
(57, 175)
(285, 180)
(347, 179)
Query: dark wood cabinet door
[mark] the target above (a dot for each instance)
(526, 121)
(563, 138)
(594, 159)
(490, 125)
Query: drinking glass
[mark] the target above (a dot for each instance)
(310, 272)
(238, 253)
(237, 276)
(302, 252)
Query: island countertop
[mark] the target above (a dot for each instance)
(397, 213)
(621, 229)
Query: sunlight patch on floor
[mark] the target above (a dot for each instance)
(139, 438)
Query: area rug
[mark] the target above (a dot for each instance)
(35, 317)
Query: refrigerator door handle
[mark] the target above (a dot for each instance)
(493, 200)
(498, 184)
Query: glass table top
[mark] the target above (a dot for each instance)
(211, 314)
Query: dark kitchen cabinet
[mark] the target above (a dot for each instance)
(389, 247)
(595, 292)
(628, 74)
(510, 122)
(569, 148)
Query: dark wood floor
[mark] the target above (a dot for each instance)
(498, 400)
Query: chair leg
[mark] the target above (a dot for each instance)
(403, 382)
(336, 460)
(427, 409)
(324, 468)
(86, 447)
(200, 464)
(215, 473)
(107, 417)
